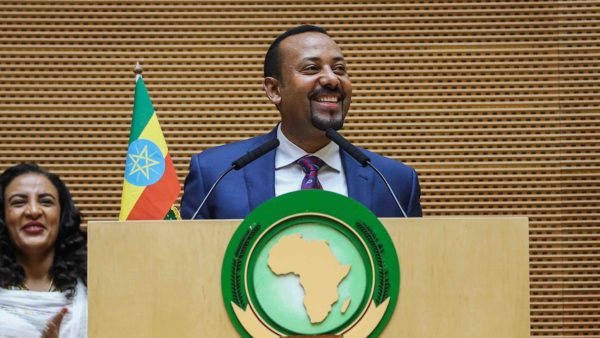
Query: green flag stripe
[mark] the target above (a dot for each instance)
(142, 110)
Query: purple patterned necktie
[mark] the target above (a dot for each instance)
(311, 166)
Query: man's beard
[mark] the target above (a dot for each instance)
(335, 121)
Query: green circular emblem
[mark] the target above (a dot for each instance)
(310, 262)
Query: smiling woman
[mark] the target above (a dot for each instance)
(43, 264)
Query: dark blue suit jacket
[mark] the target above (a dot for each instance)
(242, 191)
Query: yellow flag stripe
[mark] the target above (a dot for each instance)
(131, 194)
(153, 133)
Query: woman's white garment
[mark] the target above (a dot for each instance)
(25, 314)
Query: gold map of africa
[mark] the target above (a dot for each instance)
(318, 270)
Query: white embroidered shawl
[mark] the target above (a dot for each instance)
(24, 314)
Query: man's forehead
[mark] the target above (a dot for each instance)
(310, 46)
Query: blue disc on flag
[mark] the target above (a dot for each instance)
(145, 163)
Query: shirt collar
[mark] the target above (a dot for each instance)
(287, 153)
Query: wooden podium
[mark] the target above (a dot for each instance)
(460, 277)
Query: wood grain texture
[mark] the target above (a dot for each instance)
(460, 278)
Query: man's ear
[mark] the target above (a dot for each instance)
(271, 87)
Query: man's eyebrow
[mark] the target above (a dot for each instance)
(316, 59)
(313, 59)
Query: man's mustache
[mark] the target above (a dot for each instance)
(326, 91)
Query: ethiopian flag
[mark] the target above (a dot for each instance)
(151, 186)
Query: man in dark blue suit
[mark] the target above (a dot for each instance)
(306, 78)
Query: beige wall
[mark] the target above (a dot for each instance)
(496, 105)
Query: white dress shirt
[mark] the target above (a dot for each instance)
(289, 174)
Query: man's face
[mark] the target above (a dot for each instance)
(314, 89)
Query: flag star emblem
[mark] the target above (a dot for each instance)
(146, 162)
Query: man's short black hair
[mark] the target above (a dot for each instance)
(272, 66)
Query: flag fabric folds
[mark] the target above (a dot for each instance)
(150, 186)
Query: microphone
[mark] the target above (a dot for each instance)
(256, 153)
(361, 158)
(239, 164)
(347, 146)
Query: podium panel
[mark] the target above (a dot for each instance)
(460, 277)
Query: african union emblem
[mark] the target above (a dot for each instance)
(145, 163)
(310, 262)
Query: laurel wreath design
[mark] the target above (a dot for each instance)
(238, 294)
(383, 290)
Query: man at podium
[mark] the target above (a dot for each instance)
(306, 77)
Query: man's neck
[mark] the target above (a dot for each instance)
(309, 142)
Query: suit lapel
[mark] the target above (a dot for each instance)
(260, 177)
(260, 174)
(358, 179)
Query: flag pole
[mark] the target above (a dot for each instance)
(138, 69)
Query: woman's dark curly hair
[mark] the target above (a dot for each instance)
(70, 257)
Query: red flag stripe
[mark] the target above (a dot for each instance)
(149, 206)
